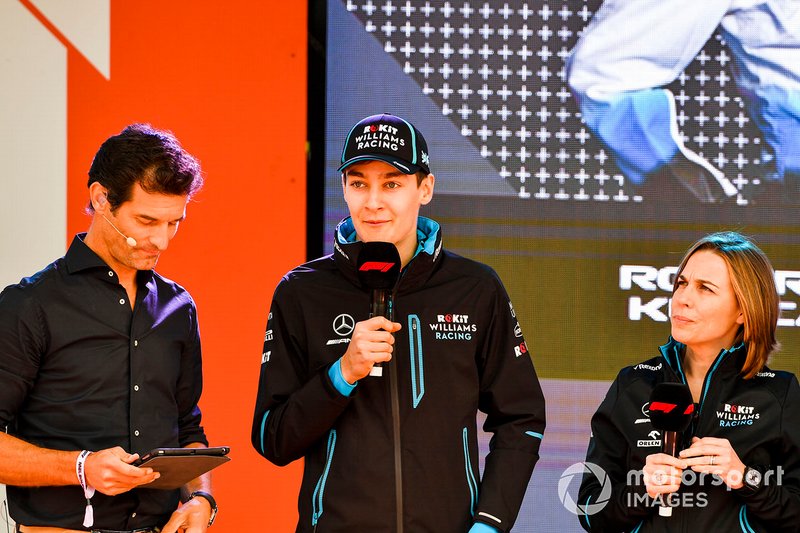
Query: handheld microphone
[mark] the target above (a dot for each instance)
(378, 266)
(671, 410)
(130, 240)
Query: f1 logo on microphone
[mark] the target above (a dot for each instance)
(376, 265)
(669, 407)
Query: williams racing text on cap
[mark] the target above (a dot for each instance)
(387, 138)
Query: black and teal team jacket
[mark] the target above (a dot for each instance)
(460, 349)
(759, 416)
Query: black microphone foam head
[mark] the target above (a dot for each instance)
(671, 407)
(378, 265)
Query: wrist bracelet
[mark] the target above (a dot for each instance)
(211, 501)
(88, 492)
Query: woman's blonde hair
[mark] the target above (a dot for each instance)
(753, 281)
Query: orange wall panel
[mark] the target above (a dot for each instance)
(229, 79)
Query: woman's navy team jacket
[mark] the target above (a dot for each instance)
(759, 416)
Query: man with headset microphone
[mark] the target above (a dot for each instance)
(100, 358)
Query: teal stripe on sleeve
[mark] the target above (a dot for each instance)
(263, 427)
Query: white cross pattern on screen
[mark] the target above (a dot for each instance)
(497, 72)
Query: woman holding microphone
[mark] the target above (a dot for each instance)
(738, 466)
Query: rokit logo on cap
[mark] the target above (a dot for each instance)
(390, 139)
(379, 136)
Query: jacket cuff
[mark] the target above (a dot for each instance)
(337, 378)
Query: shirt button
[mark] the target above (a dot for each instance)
(136, 343)
(110, 273)
(122, 301)
(136, 432)
(136, 388)
(133, 515)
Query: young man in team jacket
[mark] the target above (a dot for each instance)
(397, 452)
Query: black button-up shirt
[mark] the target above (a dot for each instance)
(80, 370)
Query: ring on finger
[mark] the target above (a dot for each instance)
(711, 462)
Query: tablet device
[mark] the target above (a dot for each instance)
(178, 466)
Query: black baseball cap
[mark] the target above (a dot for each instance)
(387, 138)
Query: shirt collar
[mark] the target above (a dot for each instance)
(80, 257)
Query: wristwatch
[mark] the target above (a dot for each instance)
(211, 502)
(752, 479)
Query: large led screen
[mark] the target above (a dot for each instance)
(580, 155)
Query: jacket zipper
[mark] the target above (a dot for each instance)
(471, 483)
(706, 385)
(696, 420)
(398, 452)
(316, 501)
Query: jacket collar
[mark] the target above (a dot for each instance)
(728, 362)
(346, 248)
